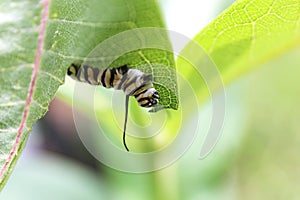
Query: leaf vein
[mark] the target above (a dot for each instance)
(79, 57)
(12, 104)
(10, 130)
(114, 25)
(52, 76)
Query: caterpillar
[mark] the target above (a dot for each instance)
(132, 81)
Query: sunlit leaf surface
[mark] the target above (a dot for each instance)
(249, 33)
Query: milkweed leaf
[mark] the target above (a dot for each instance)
(39, 40)
(247, 34)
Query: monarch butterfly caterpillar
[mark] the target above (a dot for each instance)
(132, 81)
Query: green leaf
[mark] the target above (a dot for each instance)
(19, 31)
(77, 34)
(247, 34)
(32, 69)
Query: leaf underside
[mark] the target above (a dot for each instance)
(73, 29)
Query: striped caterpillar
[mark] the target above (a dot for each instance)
(132, 81)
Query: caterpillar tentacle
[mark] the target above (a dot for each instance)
(132, 81)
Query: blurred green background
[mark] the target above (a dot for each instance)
(255, 158)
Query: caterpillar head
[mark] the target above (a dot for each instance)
(148, 98)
